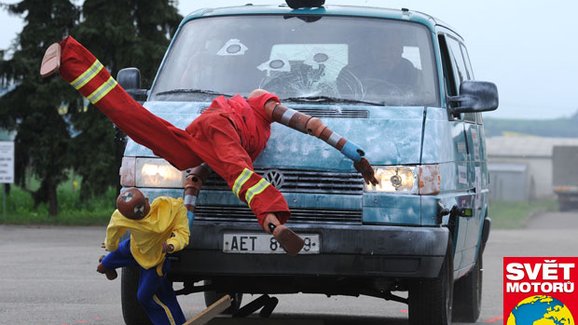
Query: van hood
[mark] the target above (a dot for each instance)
(388, 135)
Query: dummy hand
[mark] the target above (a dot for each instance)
(364, 167)
(168, 248)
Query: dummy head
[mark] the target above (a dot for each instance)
(132, 204)
(269, 105)
(257, 92)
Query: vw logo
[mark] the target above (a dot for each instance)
(274, 177)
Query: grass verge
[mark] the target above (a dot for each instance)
(19, 209)
(515, 215)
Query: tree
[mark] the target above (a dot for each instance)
(55, 130)
(120, 34)
(34, 107)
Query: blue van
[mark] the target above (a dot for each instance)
(396, 82)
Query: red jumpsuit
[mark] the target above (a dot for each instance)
(228, 136)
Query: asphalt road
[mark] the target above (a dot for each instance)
(48, 277)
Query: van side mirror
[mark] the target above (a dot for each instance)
(475, 96)
(129, 79)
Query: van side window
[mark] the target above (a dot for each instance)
(467, 60)
(456, 68)
(449, 81)
(460, 61)
(457, 59)
(470, 72)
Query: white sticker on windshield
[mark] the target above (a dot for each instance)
(233, 47)
(333, 57)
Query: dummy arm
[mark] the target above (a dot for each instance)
(315, 127)
(113, 233)
(193, 183)
(180, 233)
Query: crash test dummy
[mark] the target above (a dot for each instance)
(227, 137)
(156, 229)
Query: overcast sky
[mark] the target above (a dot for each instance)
(527, 47)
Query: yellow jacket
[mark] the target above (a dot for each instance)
(166, 222)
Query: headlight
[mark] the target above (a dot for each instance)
(150, 172)
(127, 172)
(154, 172)
(422, 179)
(400, 179)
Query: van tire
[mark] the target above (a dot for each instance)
(468, 294)
(132, 312)
(212, 296)
(431, 300)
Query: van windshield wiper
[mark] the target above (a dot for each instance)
(192, 91)
(329, 99)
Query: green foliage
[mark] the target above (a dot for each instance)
(120, 34)
(55, 132)
(19, 208)
(128, 33)
(515, 215)
(92, 153)
(31, 108)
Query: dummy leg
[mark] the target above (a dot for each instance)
(110, 273)
(85, 73)
(119, 258)
(289, 240)
(154, 294)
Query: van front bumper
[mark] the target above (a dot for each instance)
(346, 250)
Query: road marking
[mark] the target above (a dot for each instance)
(494, 319)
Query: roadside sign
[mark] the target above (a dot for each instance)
(6, 162)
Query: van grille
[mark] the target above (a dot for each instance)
(342, 113)
(244, 214)
(291, 181)
(324, 113)
(295, 181)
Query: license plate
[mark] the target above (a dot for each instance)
(254, 243)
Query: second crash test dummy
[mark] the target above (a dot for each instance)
(156, 229)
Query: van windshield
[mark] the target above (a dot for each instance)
(332, 58)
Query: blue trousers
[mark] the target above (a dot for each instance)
(155, 293)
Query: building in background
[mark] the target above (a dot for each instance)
(521, 166)
(510, 182)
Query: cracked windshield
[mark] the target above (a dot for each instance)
(301, 59)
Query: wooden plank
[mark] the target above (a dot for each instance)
(210, 312)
